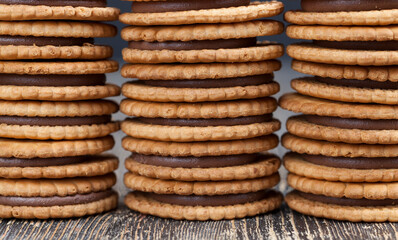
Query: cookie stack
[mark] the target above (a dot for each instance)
(344, 159)
(53, 123)
(201, 107)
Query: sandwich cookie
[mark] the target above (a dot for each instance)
(208, 121)
(60, 198)
(341, 122)
(202, 43)
(86, 10)
(193, 12)
(56, 81)
(57, 120)
(346, 12)
(53, 40)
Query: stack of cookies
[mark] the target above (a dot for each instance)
(344, 159)
(201, 107)
(53, 123)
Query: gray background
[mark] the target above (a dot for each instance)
(283, 77)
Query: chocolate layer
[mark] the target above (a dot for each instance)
(194, 45)
(52, 80)
(43, 41)
(351, 45)
(347, 5)
(184, 5)
(55, 201)
(53, 3)
(206, 122)
(197, 162)
(46, 162)
(347, 201)
(358, 83)
(350, 163)
(212, 83)
(218, 200)
(352, 123)
(55, 121)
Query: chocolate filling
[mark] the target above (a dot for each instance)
(212, 83)
(46, 162)
(184, 5)
(56, 200)
(52, 80)
(54, 3)
(346, 201)
(55, 121)
(206, 122)
(347, 5)
(218, 200)
(352, 123)
(43, 41)
(358, 83)
(351, 45)
(197, 162)
(194, 45)
(350, 163)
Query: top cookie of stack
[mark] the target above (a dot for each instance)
(202, 107)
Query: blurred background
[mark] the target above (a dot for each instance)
(283, 77)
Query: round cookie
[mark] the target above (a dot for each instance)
(62, 198)
(198, 71)
(339, 212)
(57, 120)
(63, 167)
(53, 40)
(222, 168)
(342, 169)
(313, 53)
(11, 10)
(219, 15)
(380, 74)
(198, 149)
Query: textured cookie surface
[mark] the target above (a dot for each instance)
(26, 12)
(362, 18)
(381, 74)
(313, 53)
(345, 213)
(262, 168)
(224, 15)
(198, 71)
(150, 147)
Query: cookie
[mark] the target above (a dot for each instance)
(380, 74)
(315, 106)
(62, 167)
(11, 148)
(201, 32)
(53, 40)
(207, 110)
(198, 71)
(51, 10)
(343, 33)
(143, 203)
(216, 168)
(342, 169)
(241, 13)
(57, 120)
(313, 53)
(332, 149)
(348, 90)
(340, 212)
(198, 149)
(208, 90)
(63, 198)
(371, 191)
